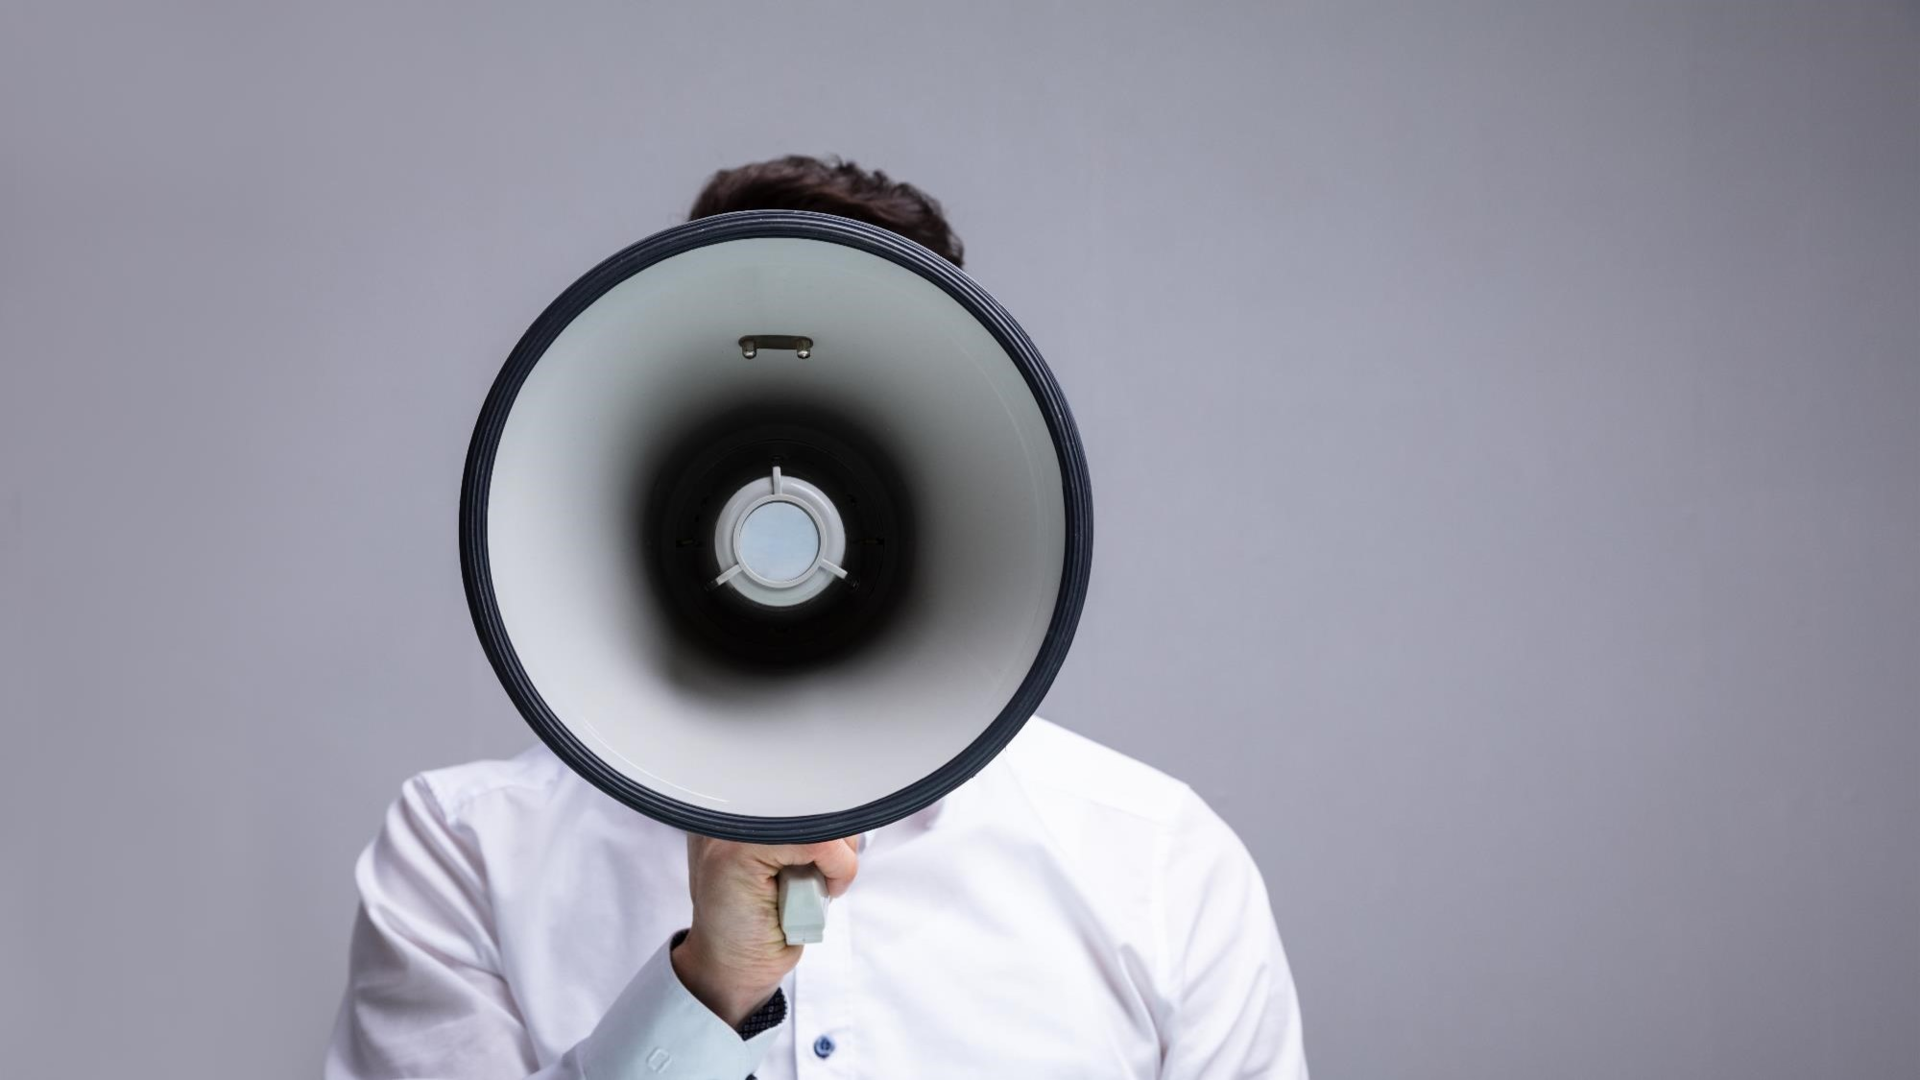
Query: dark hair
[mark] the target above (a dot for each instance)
(831, 186)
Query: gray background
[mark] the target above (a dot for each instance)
(1505, 421)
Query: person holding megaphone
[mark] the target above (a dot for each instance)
(776, 528)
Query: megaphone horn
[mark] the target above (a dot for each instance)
(775, 527)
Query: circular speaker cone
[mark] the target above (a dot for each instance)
(840, 498)
(781, 546)
(775, 527)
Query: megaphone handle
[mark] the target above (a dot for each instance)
(803, 904)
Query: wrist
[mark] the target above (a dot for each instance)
(728, 992)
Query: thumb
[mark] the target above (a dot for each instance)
(837, 860)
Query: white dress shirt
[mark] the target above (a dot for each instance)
(1068, 912)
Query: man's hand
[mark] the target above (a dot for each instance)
(735, 954)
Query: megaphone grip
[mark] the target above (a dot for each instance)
(803, 904)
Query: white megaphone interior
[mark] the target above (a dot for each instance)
(893, 353)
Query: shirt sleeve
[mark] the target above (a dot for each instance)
(1234, 1013)
(657, 1028)
(425, 998)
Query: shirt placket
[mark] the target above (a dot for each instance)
(826, 1044)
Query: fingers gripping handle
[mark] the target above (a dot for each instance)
(803, 904)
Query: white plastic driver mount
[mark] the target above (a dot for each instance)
(779, 541)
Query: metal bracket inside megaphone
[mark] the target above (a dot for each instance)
(751, 345)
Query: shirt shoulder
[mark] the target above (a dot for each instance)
(1131, 841)
(1063, 769)
(533, 776)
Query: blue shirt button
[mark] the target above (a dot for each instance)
(823, 1046)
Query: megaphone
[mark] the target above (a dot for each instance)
(775, 527)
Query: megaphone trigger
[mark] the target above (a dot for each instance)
(803, 904)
